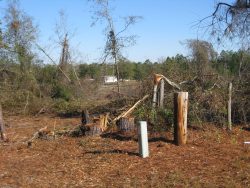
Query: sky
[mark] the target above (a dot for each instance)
(162, 32)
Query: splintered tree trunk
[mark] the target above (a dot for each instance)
(161, 96)
(130, 110)
(180, 117)
(2, 127)
(155, 96)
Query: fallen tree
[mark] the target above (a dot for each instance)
(130, 110)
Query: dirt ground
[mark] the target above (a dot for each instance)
(212, 158)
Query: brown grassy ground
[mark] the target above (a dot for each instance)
(212, 158)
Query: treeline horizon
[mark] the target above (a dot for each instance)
(227, 62)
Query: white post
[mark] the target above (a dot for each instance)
(143, 139)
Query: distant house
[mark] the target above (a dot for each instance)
(110, 79)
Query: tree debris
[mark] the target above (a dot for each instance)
(126, 113)
(41, 132)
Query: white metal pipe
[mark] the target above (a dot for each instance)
(143, 139)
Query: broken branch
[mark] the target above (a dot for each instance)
(36, 135)
(124, 114)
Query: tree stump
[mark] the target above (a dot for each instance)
(126, 124)
(93, 129)
(85, 117)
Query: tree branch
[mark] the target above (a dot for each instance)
(40, 48)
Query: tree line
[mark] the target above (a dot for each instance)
(228, 63)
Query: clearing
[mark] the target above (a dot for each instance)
(213, 157)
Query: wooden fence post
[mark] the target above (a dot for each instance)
(2, 127)
(229, 106)
(143, 139)
(180, 117)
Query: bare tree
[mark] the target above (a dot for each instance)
(229, 20)
(202, 53)
(115, 41)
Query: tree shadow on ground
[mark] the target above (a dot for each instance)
(161, 139)
(132, 137)
(246, 128)
(114, 151)
(120, 136)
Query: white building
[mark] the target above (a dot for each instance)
(110, 79)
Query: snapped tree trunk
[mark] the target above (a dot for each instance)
(155, 96)
(161, 95)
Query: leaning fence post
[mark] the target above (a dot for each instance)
(180, 117)
(229, 106)
(143, 139)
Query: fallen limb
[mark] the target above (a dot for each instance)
(126, 113)
(171, 83)
(189, 81)
(45, 53)
(44, 109)
(36, 135)
(215, 85)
